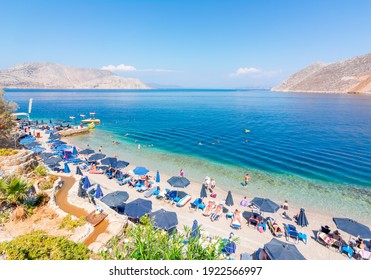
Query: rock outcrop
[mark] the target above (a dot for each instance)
(349, 76)
(56, 76)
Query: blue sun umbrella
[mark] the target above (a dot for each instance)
(353, 227)
(96, 157)
(37, 149)
(27, 140)
(64, 147)
(195, 233)
(66, 168)
(87, 152)
(78, 171)
(98, 193)
(115, 199)
(86, 183)
(265, 204)
(74, 150)
(121, 164)
(279, 250)
(46, 155)
(229, 199)
(52, 160)
(158, 179)
(178, 182)
(302, 218)
(32, 145)
(164, 219)
(138, 208)
(139, 170)
(203, 192)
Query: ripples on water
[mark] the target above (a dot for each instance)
(310, 148)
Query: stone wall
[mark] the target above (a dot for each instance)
(18, 163)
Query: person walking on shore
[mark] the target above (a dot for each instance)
(100, 150)
(181, 173)
(247, 178)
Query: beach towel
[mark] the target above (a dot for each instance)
(184, 201)
(209, 207)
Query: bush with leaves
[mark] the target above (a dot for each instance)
(71, 224)
(13, 190)
(6, 119)
(37, 245)
(144, 242)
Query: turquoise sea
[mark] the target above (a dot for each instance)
(312, 149)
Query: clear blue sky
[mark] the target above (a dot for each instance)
(187, 43)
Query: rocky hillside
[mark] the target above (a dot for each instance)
(50, 75)
(349, 76)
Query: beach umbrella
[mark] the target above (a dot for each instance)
(138, 208)
(265, 204)
(121, 164)
(98, 193)
(32, 145)
(279, 250)
(111, 161)
(58, 142)
(27, 140)
(203, 191)
(52, 160)
(158, 179)
(163, 219)
(229, 247)
(139, 170)
(86, 152)
(46, 155)
(66, 168)
(302, 218)
(86, 184)
(229, 199)
(178, 182)
(102, 167)
(353, 227)
(78, 171)
(37, 149)
(54, 137)
(64, 147)
(74, 150)
(195, 233)
(115, 199)
(96, 157)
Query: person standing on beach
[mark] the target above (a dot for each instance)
(138, 146)
(247, 178)
(100, 150)
(181, 173)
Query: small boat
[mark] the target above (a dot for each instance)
(92, 119)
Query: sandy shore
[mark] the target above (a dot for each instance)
(249, 239)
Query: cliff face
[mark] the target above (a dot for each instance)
(348, 76)
(50, 75)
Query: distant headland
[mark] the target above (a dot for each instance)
(349, 76)
(56, 76)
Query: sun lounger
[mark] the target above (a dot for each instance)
(183, 201)
(209, 207)
(254, 219)
(236, 221)
(197, 204)
(141, 188)
(291, 232)
(218, 211)
(150, 192)
(162, 194)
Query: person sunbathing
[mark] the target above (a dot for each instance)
(217, 213)
(237, 219)
(277, 229)
(209, 207)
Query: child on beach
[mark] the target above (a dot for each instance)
(181, 173)
(285, 205)
(244, 202)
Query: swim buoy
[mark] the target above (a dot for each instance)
(247, 131)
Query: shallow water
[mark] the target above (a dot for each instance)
(312, 149)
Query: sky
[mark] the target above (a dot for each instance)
(189, 43)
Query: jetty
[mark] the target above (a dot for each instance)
(72, 131)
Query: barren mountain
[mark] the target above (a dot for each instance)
(349, 76)
(50, 75)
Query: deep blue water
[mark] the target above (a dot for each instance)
(312, 149)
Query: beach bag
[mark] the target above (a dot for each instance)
(260, 229)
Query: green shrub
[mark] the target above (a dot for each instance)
(37, 245)
(8, 152)
(143, 242)
(71, 224)
(41, 170)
